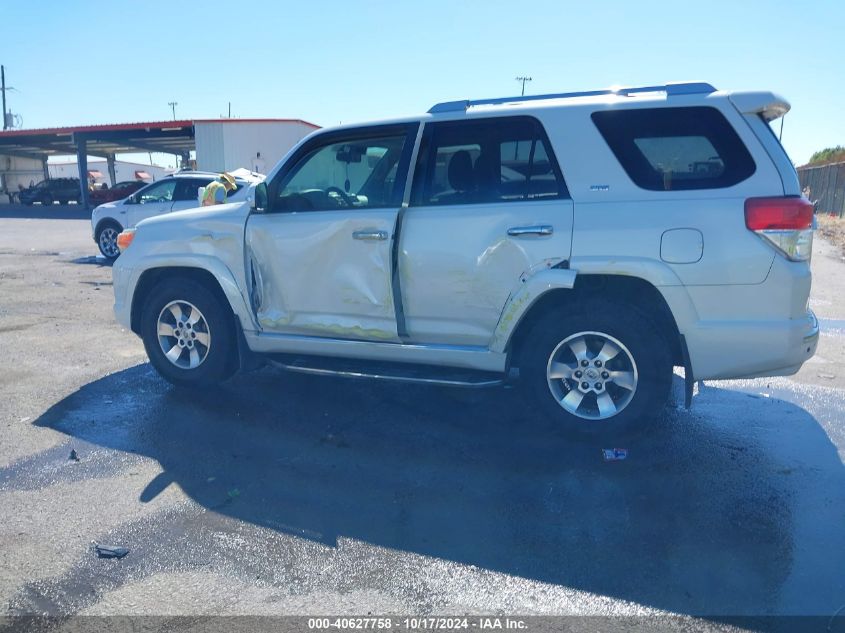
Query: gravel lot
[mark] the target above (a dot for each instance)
(286, 494)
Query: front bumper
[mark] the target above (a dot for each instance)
(123, 283)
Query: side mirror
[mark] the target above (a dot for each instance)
(260, 202)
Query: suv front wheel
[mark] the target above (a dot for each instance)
(187, 333)
(107, 234)
(601, 368)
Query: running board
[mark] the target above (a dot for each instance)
(396, 372)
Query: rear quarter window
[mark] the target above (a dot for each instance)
(676, 149)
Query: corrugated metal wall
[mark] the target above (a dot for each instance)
(827, 185)
(243, 140)
(210, 148)
(232, 144)
(124, 170)
(19, 172)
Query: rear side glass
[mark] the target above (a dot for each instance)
(482, 161)
(188, 188)
(676, 149)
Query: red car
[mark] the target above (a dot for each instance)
(120, 191)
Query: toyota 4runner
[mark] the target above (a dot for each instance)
(584, 243)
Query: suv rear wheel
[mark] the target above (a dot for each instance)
(603, 368)
(187, 333)
(46, 199)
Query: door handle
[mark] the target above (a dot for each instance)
(369, 235)
(518, 231)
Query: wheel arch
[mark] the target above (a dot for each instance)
(150, 278)
(634, 291)
(103, 222)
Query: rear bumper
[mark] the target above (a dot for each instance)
(751, 349)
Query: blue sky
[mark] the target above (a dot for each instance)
(76, 63)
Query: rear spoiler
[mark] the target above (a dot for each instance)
(767, 104)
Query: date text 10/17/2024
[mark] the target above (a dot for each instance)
(480, 623)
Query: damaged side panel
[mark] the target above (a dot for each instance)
(323, 273)
(533, 287)
(459, 265)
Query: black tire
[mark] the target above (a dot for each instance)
(215, 366)
(103, 227)
(646, 347)
(46, 199)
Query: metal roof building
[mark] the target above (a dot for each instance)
(220, 144)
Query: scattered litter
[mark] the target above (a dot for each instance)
(828, 376)
(73, 455)
(110, 551)
(210, 479)
(614, 454)
(26, 419)
(233, 493)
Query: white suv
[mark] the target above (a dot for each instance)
(172, 193)
(585, 243)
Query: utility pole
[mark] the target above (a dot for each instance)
(173, 105)
(523, 80)
(230, 109)
(3, 90)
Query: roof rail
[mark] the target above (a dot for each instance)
(670, 89)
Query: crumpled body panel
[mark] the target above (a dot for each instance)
(459, 266)
(310, 275)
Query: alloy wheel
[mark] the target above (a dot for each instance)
(592, 375)
(183, 334)
(108, 242)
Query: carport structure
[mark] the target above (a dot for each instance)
(106, 141)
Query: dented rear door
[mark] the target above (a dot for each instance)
(320, 258)
(489, 208)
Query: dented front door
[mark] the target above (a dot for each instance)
(324, 273)
(320, 258)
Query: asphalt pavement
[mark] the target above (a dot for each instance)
(286, 494)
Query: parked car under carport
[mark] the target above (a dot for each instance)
(61, 190)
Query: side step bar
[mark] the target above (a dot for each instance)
(396, 372)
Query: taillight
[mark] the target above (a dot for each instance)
(787, 223)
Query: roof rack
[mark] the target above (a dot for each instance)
(670, 89)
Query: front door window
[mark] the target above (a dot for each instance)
(348, 174)
(159, 192)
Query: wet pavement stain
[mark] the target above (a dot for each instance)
(699, 519)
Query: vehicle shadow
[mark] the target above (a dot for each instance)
(50, 212)
(93, 260)
(699, 519)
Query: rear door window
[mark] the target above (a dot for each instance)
(505, 159)
(187, 188)
(676, 149)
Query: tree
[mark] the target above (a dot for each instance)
(828, 155)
